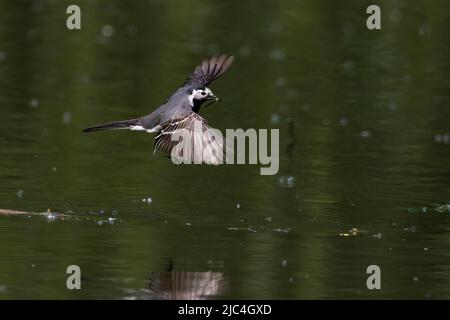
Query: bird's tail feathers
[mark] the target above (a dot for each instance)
(125, 124)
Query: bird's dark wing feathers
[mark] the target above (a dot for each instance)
(196, 126)
(209, 70)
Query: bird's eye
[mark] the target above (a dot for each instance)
(203, 93)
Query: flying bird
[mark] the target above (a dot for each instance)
(180, 111)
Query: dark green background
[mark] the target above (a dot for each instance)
(364, 124)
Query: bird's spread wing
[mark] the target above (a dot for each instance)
(191, 140)
(209, 70)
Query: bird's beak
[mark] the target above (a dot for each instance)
(213, 97)
(213, 100)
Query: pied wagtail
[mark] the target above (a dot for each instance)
(180, 111)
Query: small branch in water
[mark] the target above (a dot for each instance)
(7, 212)
(49, 213)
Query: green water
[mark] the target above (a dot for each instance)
(364, 129)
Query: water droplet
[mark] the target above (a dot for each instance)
(392, 106)
(284, 263)
(34, 103)
(107, 30)
(245, 51)
(67, 117)
(132, 30)
(343, 122)
(365, 134)
(348, 65)
(238, 205)
(280, 81)
(395, 16)
(275, 118)
(277, 55)
(3, 55)
(275, 27)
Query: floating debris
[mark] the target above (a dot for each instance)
(50, 215)
(147, 200)
(282, 230)
(19, 194)
(365, 134)
(238, 205)
(442, 138)
(412, 229)
(286, 181)
(284, 263)
(378, 235)
(443, 208)
(353, 232)
(245, 229)
(268, 219)
(188, 224)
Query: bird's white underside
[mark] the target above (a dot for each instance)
(141, 128)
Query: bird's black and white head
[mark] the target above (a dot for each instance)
(198, 96)
(205, 73)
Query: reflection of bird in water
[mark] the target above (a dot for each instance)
(184, 285)
(181, 285)
(291, 146)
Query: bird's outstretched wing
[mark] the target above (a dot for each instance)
(209, 70)
(191, 140)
